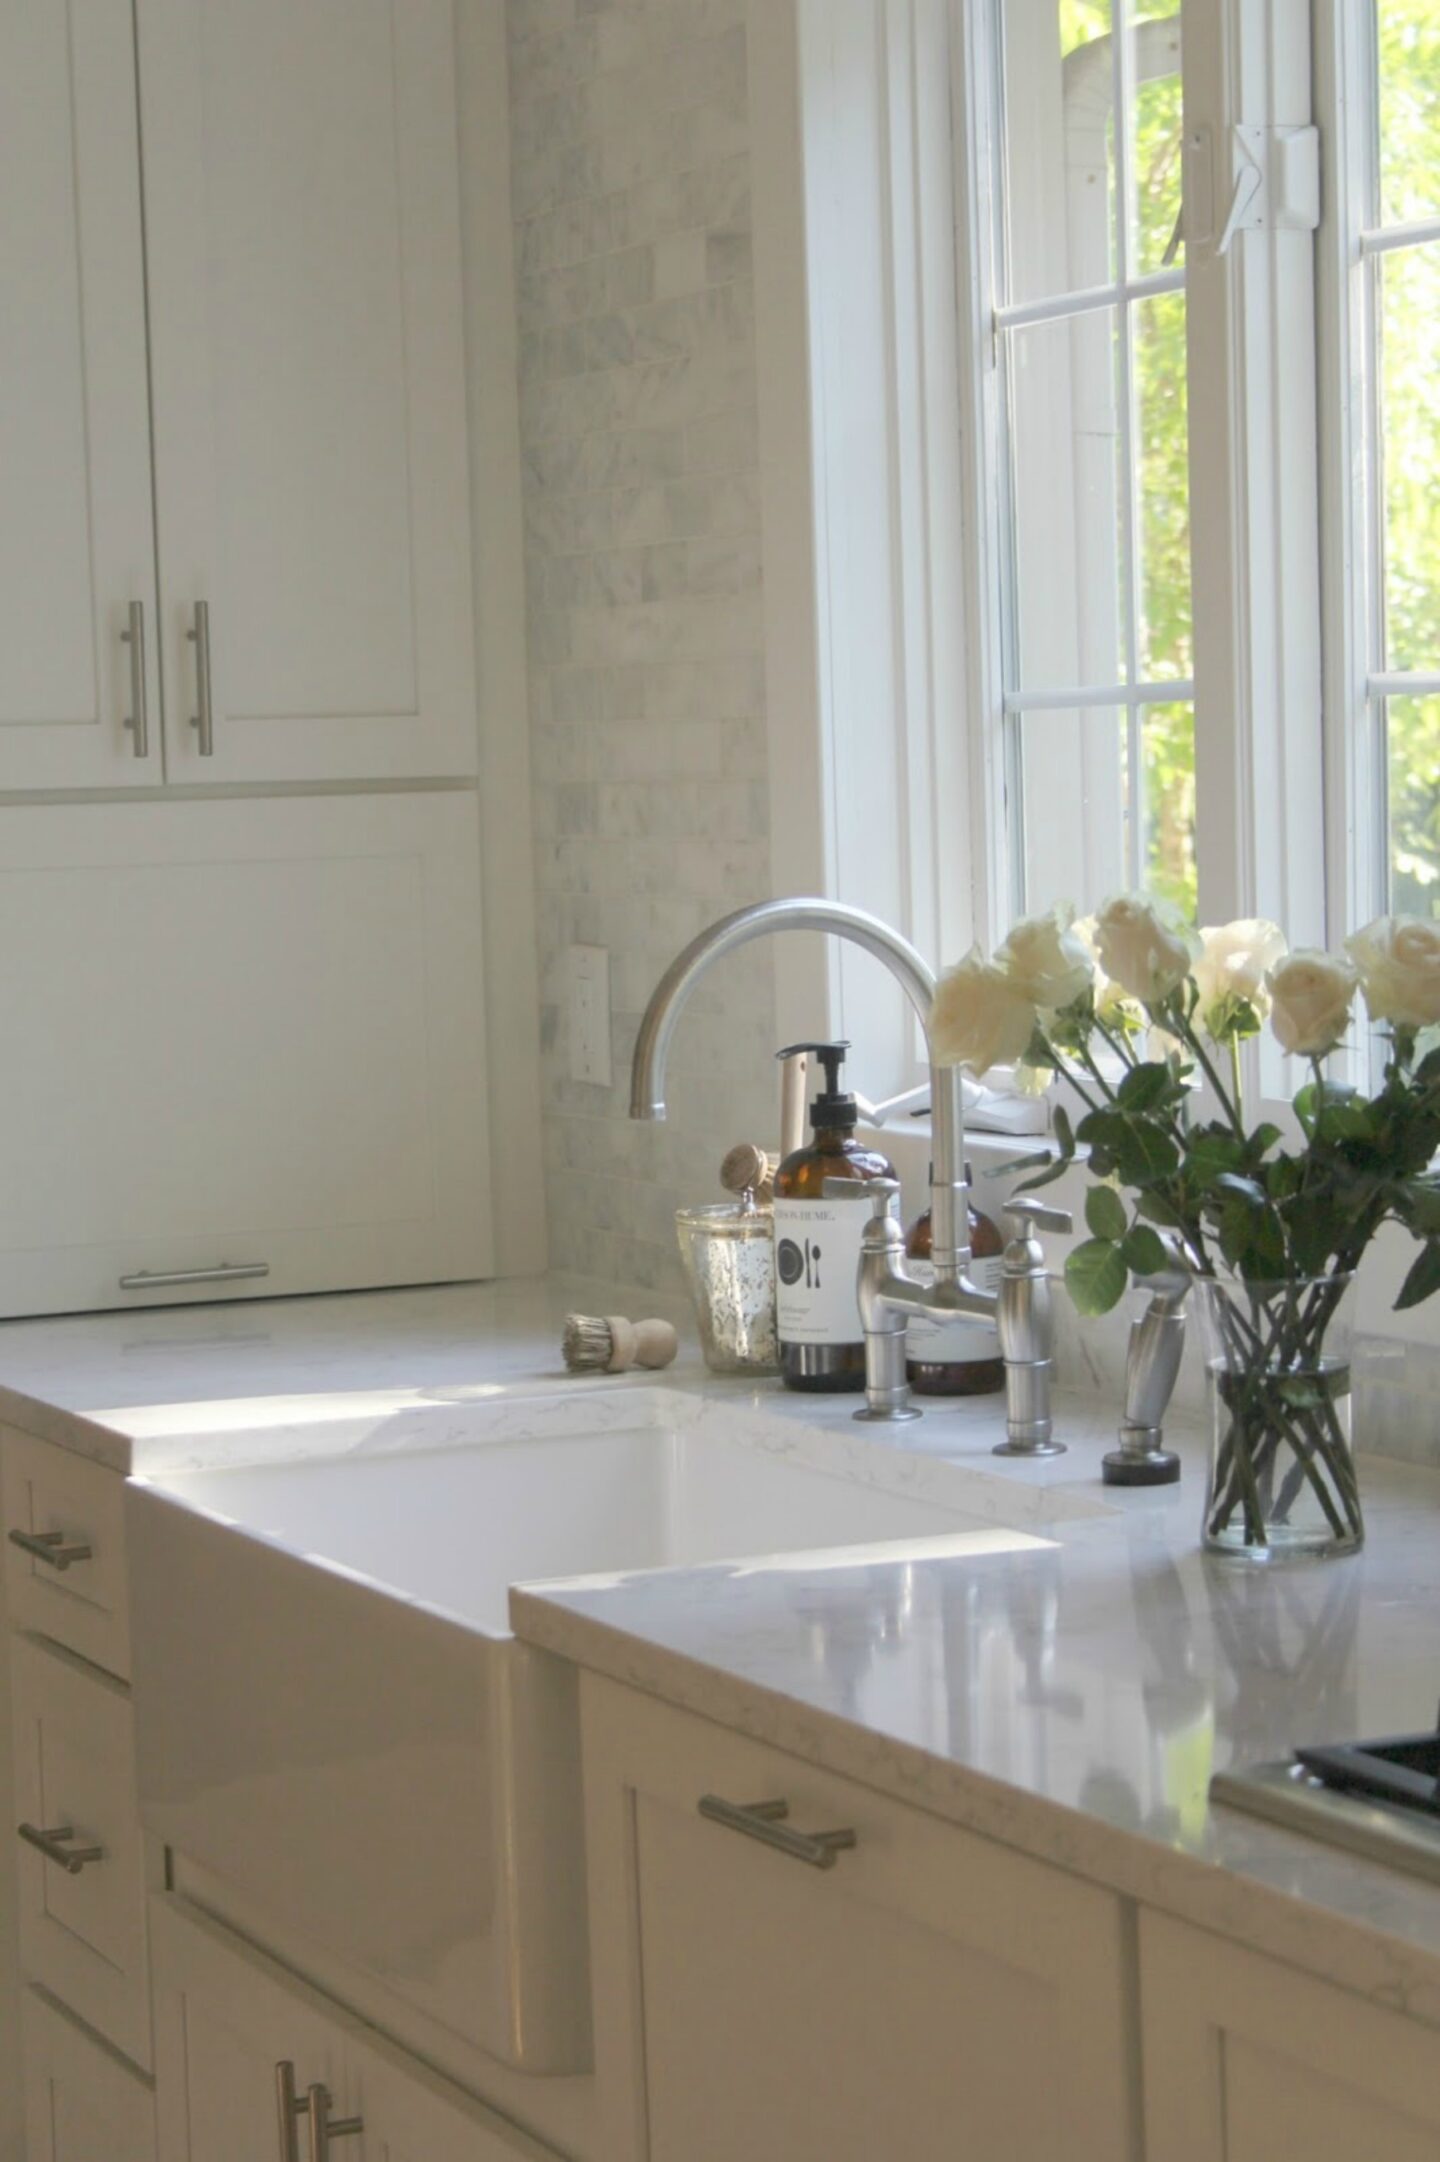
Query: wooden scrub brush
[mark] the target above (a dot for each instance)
(610, 1344)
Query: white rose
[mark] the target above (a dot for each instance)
(1310, 998)
(1046, 959)
(1113, 1005)
(1235, 959)
(1143, 946)
(979, 1018)
(1398, 958)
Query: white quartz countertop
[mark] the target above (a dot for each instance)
(1070, 1697)
(166, 1386)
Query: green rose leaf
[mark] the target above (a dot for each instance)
(1064, 1131)
(1423, 1280)
(1422, 1207)
(1105, 1213)
(1144, 1252)
(1250, 1191)
(1096, 1276)
(1145, 1087)
(1210, 1152)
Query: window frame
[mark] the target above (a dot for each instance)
(1254, 462)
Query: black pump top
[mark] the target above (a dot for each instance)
(834, 1107)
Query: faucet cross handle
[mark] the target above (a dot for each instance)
(882, 1194)
(1038, 1215)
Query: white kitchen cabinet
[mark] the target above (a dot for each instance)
(931, 1997)
(291, 426)
(240, 1035)
(302, 238)
(1247, 2060)
(82, 1928)
(82, 2104)
(228, 2020)
(77, 543)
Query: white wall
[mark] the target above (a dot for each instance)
(630, 141)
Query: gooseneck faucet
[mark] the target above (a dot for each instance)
(888, 1294)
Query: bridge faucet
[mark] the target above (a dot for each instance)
(1022, 1311)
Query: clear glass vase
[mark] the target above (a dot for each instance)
(1282, 1483)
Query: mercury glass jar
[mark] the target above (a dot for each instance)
(728, 1249)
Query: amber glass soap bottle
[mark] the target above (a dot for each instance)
(817, 1240)
(957, 1358)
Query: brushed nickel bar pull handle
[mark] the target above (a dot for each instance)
(139, 716)
(288, 2106)
(324, 2127)
(203, 718)
(224, 1272)
(52, 1844)
(52, 1547)
(763, 1821)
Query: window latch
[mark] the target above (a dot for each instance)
(1270, 179)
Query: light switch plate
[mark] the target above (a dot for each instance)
(589, 1030)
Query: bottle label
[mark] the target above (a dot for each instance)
(817, 1264)
(961, 1342)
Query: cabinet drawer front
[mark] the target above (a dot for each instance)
(80, 2101)
(830, 2001)
(82, 1932)
(82, 1605)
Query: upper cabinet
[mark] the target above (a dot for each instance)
(293, 464)
(302, 231)
(79, 697)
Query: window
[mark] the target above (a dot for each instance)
(1095, 564)
(1165, 407)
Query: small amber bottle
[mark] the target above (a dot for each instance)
(958, 1358)
(817, 1241)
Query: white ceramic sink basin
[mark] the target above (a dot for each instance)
(328, 1696)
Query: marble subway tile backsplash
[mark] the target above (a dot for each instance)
(631, 188)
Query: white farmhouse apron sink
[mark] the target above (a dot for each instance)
(334, 1717)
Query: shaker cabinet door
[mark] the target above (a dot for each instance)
(224, 2027)
(1248, 2060)
(931, 1997)
(244, 1049)
(302, 237)
(82, 2103)
(77, 544)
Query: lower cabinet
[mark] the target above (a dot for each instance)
(927, 1997)
(1247, 2060)
(82, 2103)
(237, 2037)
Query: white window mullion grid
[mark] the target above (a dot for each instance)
(1261, 802)
(1119, 298)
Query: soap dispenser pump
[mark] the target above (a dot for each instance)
(817, 1240)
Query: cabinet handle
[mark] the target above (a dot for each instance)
(53, 1846)
(288, 2106)
(324, 2127)
(139, 716)
(203, 718)
(224, 1272)
(52, 1548)
(762, 1821)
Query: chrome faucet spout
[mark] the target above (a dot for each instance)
(949, 1247)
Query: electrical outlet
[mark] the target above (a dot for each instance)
(590, 1016)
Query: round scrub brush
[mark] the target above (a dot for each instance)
(611, 1345)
